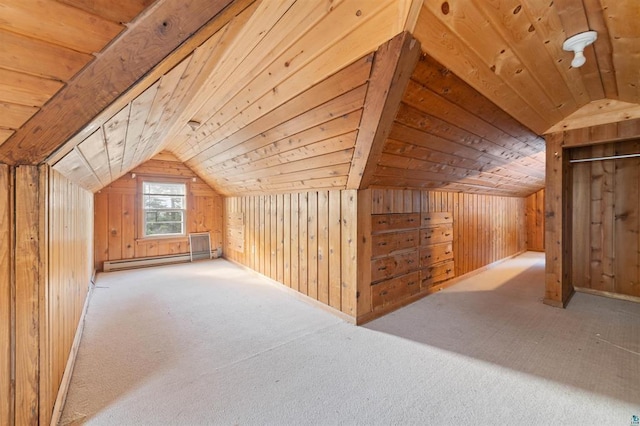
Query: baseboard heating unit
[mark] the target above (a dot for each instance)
(143, 262)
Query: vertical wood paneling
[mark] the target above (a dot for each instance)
(312, 247)
(6, 299)
(587, 251)
(365, 205)
(626, 237)
(314, 242)
(303, 218)
(535, 221)
(605, 220)
(70, 248)
(286, 239)
(117, 215)
(323, 247)
(41, 304)
(294, 241)
(349, 252)
(335, 291)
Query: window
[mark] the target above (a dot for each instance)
(164, 208)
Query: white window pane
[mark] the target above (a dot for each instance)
(164, 188)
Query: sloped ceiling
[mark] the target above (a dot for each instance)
(43, 44)
(229, 107)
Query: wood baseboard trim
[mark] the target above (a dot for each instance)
(68, 370)
(608, 294)
(300, 296)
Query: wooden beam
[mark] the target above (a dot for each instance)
(161, 29)
(558, 288)
(29, 264)
(203, 36)
(6, 249)
(392, 67)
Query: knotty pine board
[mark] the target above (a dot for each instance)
(118, 214)
(315, 250)
(70, 247)
(486, 228)
(535, 221)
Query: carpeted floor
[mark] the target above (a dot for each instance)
(210, 343)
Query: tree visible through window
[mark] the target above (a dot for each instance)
(164, 207)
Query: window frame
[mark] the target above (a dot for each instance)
(142, 220)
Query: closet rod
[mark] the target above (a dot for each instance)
(613, 157)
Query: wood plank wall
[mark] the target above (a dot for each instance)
(117, 214)
(606, 219)
(306, 241)
(6, 294)
(42, 299)
(535, 221)
(70, 259)
(485, 228)
(558, 200)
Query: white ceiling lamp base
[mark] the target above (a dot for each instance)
(577, 43)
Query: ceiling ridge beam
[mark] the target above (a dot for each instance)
(154, 35)
(393, 65)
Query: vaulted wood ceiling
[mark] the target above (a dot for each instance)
(43, 44)
(270, 96)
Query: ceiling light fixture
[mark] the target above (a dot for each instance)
(577, 43)
(193, 124)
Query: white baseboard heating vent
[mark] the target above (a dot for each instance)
(143, 262)
(200, 246)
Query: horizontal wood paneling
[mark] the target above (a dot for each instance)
(535, 221)
(485, 229)
(306, 241)
(70, 259)
(447, 136)
(118, 214)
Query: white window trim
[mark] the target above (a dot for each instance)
(144, 209)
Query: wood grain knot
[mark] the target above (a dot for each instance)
(445, 8)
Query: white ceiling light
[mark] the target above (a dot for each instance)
(577, 43)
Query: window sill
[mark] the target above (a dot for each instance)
(164, 239)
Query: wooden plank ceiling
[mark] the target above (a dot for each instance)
(269, 103)
(447, 136)
(44, 43)
(273, 97)
(511, 52)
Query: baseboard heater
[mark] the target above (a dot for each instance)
(143, 262)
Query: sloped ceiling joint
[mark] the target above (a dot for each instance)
(181, 54)
(392, 67)
(120, 65)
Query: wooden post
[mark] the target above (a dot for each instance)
(6, 295)
(349, 276)
(29, 277)
(364, 252)
(558, 288)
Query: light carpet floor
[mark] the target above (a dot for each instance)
(210, 343)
